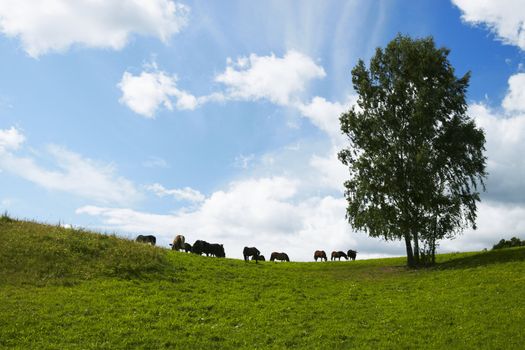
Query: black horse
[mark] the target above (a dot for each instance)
(339, 255)
(259, 258)
(251, 251)
(200, 247)
(187, 247)
(352, 254)
(320, 254)
(147, 239)
(279, 256)
(216, 250)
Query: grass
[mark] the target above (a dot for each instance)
(70, 289)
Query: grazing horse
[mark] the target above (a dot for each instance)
(187, 247)
(320, 254)
(178, 243)
(200, 247)
(279, 256)
(251, 251)
(216, 250)
(352, 254)
(338, 254)
(259, 258)
(146, 239)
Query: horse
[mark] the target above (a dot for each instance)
(352, 254)
(279, 256)
(259, 258)
(187, 247)
(320, 254)
(338, 254)
(200, 247)
(178, 243)
(216, 250)
(251, 251)
(146, 239)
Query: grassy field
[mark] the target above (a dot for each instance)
(70, 289)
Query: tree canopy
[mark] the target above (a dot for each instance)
(416, 159)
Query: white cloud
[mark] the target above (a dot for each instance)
(505, 149)
(332, 173)
(279, 80)
(325, 115)
(55, 25)
(73, 173)
(145, 93)
(514, 101)
(184, 194)
(506, 18)
(10, 139)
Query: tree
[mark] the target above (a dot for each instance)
(415, 157)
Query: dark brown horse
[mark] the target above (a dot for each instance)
(279, 256)
(352, 254)
(178, 243)
(147, 239)
(320, 254)
(251, 251)
(339, 255)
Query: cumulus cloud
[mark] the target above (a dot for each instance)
(506, 18)
(55, 25)
(505, 149)
(145, 93)
(325, 115)
(183, 194)
(331, 172)
(276, 79)
(514, 101)
(73, 173)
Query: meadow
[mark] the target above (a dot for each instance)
(73, 289)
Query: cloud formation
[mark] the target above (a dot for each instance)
(514, 101)
(55, 25)
(505, 18)
(505, 148)
(145, 93)
(276, 79)
(11, 139)
(73, 173)
(183, 194)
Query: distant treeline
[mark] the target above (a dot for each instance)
(513, 242)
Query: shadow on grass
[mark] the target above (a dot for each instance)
(483, 258)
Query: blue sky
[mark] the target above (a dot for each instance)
(218, 120)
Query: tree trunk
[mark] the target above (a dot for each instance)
(410, 255)
(433, 251)
(416, 248)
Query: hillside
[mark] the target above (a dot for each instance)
(63, 288)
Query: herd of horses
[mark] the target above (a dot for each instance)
(214, 249)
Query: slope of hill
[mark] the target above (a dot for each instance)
(62, 288)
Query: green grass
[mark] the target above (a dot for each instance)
(62, 289)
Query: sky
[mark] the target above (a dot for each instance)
(219, 120)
